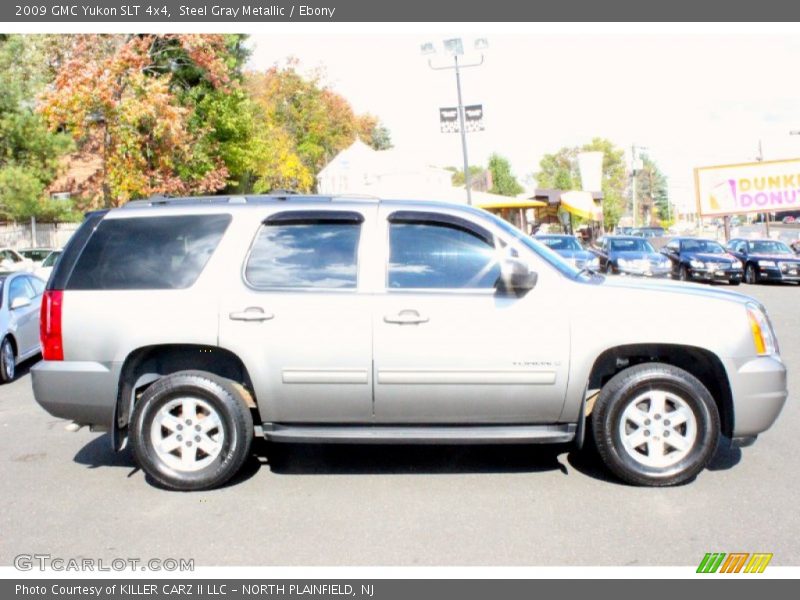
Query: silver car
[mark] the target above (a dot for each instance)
(188, 326)
(20, 302)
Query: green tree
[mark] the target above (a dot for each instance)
(651, 184)
(503, 180)
(30, 154)
(560, 171)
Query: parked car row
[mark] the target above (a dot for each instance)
(684, 258)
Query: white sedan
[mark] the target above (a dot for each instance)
(13, 261)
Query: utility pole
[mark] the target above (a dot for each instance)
(760, 158)
(634, 165)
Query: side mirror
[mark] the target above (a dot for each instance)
(20, 302)
(516, 277)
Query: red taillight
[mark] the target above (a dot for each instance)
(50, 325)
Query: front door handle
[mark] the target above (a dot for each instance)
(406, 317)
(251, 313)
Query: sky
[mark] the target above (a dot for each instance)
(692, 100)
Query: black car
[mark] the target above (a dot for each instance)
(630, 255)
(766, 260)
(570, 249)
(700, 259)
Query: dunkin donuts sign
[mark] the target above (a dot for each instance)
(770, 186)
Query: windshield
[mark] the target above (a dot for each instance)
(769, 247)
(706, 246)
(560, 243)
(630, 245)
(51, 259)
(540, 249)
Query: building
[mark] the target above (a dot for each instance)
(359, 169)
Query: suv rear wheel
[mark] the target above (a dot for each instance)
(655, 424)
(191, 430)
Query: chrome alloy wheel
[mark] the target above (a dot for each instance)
(187, 434)
(658, 429)
(7, 356)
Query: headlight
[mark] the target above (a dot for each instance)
(593, 263)
(697, 264)
(737, 264)
(624, 262)
(763, 335)
(766, 263)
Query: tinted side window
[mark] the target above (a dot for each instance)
(148, 253)
(439, 256)
(305, 254)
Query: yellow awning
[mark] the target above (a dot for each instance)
(581, 204)
(510, 203)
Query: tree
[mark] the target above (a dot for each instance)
(651, 184)
(125, 97)
(315, 121)
(503, 180)
(29, 153)
(373, 133)
(560, 171)
(475, 172)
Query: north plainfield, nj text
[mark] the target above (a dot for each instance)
(257, 10)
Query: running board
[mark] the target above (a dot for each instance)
(420, 434)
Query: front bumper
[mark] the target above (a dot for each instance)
(759, 392)
(657, 272)
(778, 274)
(85, 392)
(716, 274)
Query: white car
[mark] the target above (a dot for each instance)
(44, 270)
(12, 261)
(20, 302)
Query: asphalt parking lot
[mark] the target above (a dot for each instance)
(68, 495)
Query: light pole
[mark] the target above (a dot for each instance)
(455, 48)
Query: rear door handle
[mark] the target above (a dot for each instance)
(406, 317)
(251, 313)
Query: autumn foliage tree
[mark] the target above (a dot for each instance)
(309, 123)
(125, 97)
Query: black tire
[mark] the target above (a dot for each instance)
(734, 282)
(750, 274)
(609, 268)
(640, 381)
(7, 371)
(219, 394)
(683, 273)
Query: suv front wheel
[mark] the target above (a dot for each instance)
(191, 430)
(655, 424)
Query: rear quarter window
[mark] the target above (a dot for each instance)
(148, 252)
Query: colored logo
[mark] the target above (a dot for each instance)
(735, 562)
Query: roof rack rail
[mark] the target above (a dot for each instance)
(161, 200)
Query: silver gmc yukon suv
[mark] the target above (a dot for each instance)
(186, 326)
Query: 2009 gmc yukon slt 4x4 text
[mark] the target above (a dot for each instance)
(187, 326)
